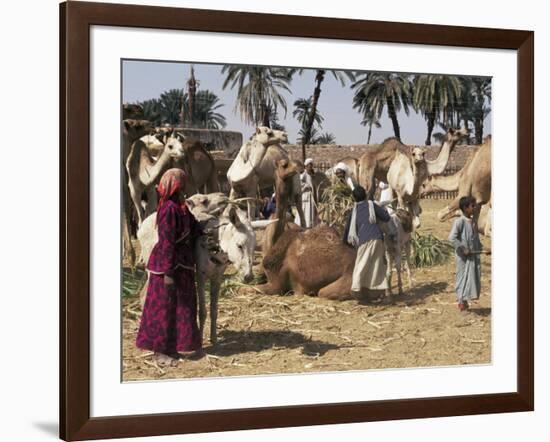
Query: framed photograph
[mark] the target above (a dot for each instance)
(275, 220)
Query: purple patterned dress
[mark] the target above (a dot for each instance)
(169, 319)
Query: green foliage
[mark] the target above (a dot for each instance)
(132, 281)
(324, 138)
(428, 250)
(335, 204)
(259, 89)
(167, 109)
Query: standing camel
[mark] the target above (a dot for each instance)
(473, 180)
(144, 170)
(254, 168)
(132, 130)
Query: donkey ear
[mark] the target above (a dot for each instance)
(451, 131)
(126, 124)
(258, 131)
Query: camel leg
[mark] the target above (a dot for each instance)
(135, 194)
(152, 201)
(201, 277)
(389, 272)
(277, 283)
(127, 246)
(214, 296)
(339, 290)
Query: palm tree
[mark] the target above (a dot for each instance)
(302, 112)
(369, 119)
(378, 90)
(258, 90)
(204, 110)
(171, 102)
(325, 138)
(436, 96)
(341, 77)
(152, 111)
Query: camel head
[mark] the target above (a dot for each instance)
(285, 169)
(132, 111)
(418, 154)
(173, 142)
(212, 203)
(427, 187)
(453, 136)
(269, 137)
(238, 241)
(135, 129)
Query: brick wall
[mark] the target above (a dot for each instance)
(330, 154)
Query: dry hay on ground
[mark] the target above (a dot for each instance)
(261, 334)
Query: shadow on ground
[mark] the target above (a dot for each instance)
(232, 342)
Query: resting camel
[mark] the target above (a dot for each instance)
(144, 170)
(229, 237)
(254, 167)
(303, 261)
(474, 179)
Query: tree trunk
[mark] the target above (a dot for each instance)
(478, 124)
(431, 124)
(313, 111)
(370, 133)
(393, 117)
(191, 92)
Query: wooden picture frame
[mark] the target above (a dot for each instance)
(75, 21)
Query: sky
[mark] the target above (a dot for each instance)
(142, 80)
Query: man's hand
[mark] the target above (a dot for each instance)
(168, 281)
(465, 251)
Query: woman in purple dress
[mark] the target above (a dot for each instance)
(169, 320)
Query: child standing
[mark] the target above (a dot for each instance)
(464, 237)
(169, 320)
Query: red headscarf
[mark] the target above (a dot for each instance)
(170, 184)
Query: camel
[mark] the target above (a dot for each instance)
(474, 179)
(144, 171)
(302, 261)
(284, 183)
(405, 169)
(229, 237)
(449, 183)
(132, 130)
(255, 164)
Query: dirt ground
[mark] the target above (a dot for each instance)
(259, 334)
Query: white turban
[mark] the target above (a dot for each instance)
(383, 185)
(341, 166)
(308, 161)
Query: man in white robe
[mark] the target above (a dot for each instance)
(308, 200)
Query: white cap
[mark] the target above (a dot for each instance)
(308, 161)
(382, 185)
(341, 166)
